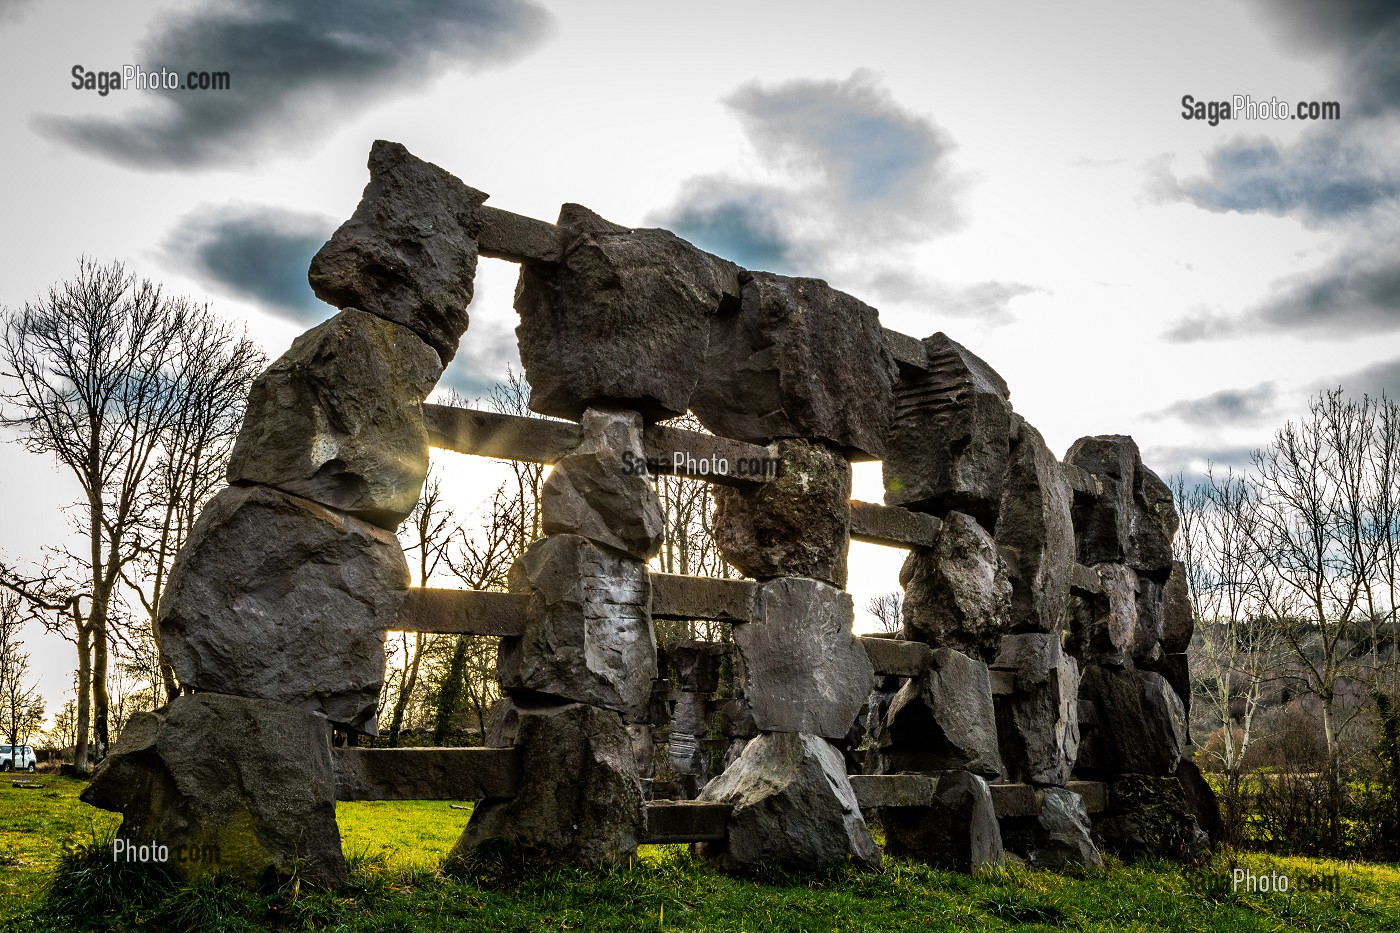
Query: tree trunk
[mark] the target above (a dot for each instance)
(450, 694)
(80, 743)
(406, 688)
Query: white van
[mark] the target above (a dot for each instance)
(16, 757)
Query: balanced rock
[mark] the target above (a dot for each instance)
(229, 786)
(795, 525)
(1132, 519)
(794, 808)
(622, 319)
(943, 720)
(278, 598)
(1124, 621)
(338, 419)
(1036, 533)
(408, 253)
(1039, 722)
(797, 358)
(950, 435)
(588, 635)
(958, 832)
(579, 801)
(593, 492)
(956, 594)
(803, 670)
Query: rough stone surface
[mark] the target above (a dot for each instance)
(803, 670)
(697, 665)
(793, 808)
(950, 435)
(1148, 817)
(580, 801)
(796, 525)
(1110, 628)
(1133, 518)
(1036, 533)
(1062, 832)
(958, 832)
(247, 785)
(1039, 723)
(588, 635)
(278, 598)
(943, 720)
(623, 318)
(1131, 732)
(1201, 801)
(408, 253)
(593, 491)
(797, 359)
(956, 594)
(1165, 713)
(1179, 622)
(338, 419)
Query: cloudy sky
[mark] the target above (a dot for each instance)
(1018, 175)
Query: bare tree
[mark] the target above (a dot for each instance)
(888, 610)
(21, 707)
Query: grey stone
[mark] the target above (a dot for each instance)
(279, 598)
(588, 635)
(796, 525)
(1154, 524)
(1179, 622)
(622, 319)
(580, 801)
(689, 716)
(1133, 727)
(1132, 519)
(959, 831)
(1151, 624)
(594, 492)
(1039, 723)
(1036, 534)
(1107, 630)
(643, 740)
(697, 665)
(803, 670)
(1201, 801)
(408, 253)
(338, 419)
(943, 720)
(228, 785)
(1165, 714)
(1063, 832)
(957, 594)
(1149, 817)
(797, 358)
(950, 435)
(793, 808)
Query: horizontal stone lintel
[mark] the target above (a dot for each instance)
(1082, 481)
(907, 351)
(515, 237)
(463, 612)
(676, 821)
(918, 790)
(425, 773)
(1085, 579)
(892, 526)
(677, 596)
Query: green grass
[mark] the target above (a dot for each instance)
(395, 886)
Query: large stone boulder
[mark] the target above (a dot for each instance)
(408, 253)
(1036, 533)
(803, 670)
(338, 419)
(1179, 619)
(957, 594)
(226, 786)
(1132, 519)
(697, 665)
(958, 832)
(1129, 723)
(794, 808)
(1124, 621)
(1149, 817)
(1061, 832)
(579, 802)
(1039, 722)
(623, 318)
(950, 435)
(278, 598)
(588, 635)
(795, 525)
(797, 358)
(943, 720)
(594, 491)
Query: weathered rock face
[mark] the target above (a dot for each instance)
(1036, 533)
(1179, 622)
(1201, 802)
(1166, 714)
(1135, 728)
(950, 435)
(1039, 723)
(593, 492)
(588, 635)
(1124, 622)
(1133, 518)
(697, 665)
(797, 359)
(959, 832)
(1062, 832)
(338, 419)
(943, 720)
(796, 525)
(622, 319)
(956, 594)
(803, 670)
(1153, 525)
(408, 253)
(278, 598)
(1149, 817)
(793, 808)
(229, 786)
(579, 801)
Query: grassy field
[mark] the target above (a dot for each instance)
(394, 850)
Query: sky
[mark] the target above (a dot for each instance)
(1018, 175)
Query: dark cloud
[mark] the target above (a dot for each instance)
(296, 68)
(1226, 408)
(1373, 380)
(256, 253)
(741, 225)
(987, 301)
(487, 354)
(1192, 462)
